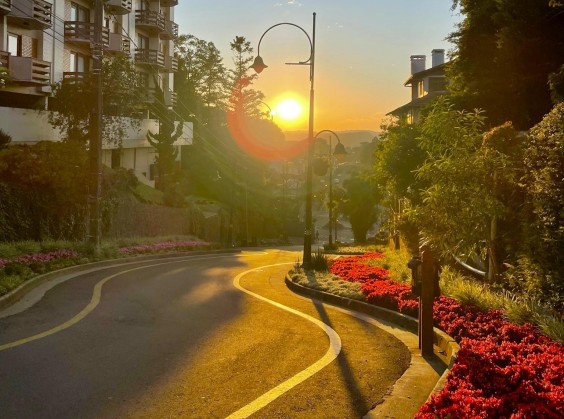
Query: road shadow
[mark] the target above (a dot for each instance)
(361, 406)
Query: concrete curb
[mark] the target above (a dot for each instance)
(446, 344)
(18, 293)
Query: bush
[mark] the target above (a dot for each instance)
(319, 261)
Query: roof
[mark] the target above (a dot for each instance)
(416, 103)
(438, 69)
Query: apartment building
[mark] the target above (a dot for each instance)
(44, 42)
(425, 84)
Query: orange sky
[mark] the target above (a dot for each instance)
(362, 50)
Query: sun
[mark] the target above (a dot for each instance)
(289, 110)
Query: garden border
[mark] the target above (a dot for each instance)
(444, 342)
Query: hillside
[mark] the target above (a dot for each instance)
(351, 138)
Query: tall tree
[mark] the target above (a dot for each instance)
(200, 84)
(164, 140)
(505, 52)
(72, 103)
(360, 204)
(242, 98)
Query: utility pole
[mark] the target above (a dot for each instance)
(95, 152)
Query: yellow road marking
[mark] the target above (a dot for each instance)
(94, 301)
(330, 355)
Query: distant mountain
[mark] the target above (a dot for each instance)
(351, 138)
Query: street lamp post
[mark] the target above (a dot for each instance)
(339, 153)
(259, 66)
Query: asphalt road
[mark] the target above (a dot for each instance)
(201, 336)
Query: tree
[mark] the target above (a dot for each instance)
(72, 103)
(472, 180)
(505, 52)
(200, 84)
(242, 99)
(544, 184)
(359, 205)
(163, 142)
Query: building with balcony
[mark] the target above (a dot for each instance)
(43, 42)
(425, 84)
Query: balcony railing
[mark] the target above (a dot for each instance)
(33, 14)
(170, 31)
(29, 70)
(118, 7)
(149, 57)
(170, 64)
(170, 97)
(150, 20)
(83, 32)
(75, 77)
(5, 7)
(119, 44)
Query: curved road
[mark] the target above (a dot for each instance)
(197, 336)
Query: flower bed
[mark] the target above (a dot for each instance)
(179, 245)
(502, 370)
(39, 262)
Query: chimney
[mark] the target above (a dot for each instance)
(438, 57)
(417, 63)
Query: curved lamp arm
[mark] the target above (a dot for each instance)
(339, 148)
(259, 65)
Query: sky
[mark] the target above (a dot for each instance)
(362, 50)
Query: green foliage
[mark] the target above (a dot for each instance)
(73, 101)
(319, 261)
(9, 282)
(359, 204)
(518, 308)
(5, 139)
(328, 283)
(163, 142)
(505, 52)
(44, 191)
(397, 157)
(473, 179)
(4, 77)
(545, 189)
(147, 194)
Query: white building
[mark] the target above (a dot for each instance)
(425, 84)
(43, 42)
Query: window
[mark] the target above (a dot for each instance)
(437, 84)
(79, 13)
(78, 63)
(14, 44)
(421, 88)
(142, 42)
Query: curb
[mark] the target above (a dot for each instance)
(18, 293)
(446, 344)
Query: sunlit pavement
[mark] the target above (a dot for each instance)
(175, 338)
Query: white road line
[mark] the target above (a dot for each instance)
(330, 355)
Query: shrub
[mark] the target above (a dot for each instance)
(319, 261)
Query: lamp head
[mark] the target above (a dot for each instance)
(258, 64)
(340, 153)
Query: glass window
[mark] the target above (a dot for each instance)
(14, 44)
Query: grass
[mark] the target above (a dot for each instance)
(327, 282)
(147, 194)
(518, 309)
